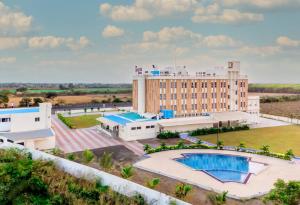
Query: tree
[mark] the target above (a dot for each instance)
(147, 147)
(22, 89)
(289, 154)
(50, 95)
(3, 98)
(265, 149)
(220, 144)
(25, 102)
(37, 101)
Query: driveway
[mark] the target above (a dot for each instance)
(75, 140)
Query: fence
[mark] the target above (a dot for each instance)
(283, 119)
(116, 183)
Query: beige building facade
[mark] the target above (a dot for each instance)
(190, 95)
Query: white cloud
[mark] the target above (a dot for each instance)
(214, 14)
(178, 40)
(11, 42)
(266, 4)
(112, 31)
(143, 10)
(261, 51)
(287, 42)
(13, 21)
(220, 41)
(43, 42)
(7, 60)
(171, 34)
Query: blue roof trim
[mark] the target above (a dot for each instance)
(18, 111)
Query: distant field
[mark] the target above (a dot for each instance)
(280, 139)
(275, 88)
(79, 90)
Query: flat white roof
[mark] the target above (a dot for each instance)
(16, 136)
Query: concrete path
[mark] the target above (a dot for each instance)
(74, 140)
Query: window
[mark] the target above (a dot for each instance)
(195, 84)
(160, 84)
(160, 96)
(152, 126)
(147, 127)
(175, 84)
(133, 128)
(138, 128)
(202, 85)
(5, 119)
(37, 119)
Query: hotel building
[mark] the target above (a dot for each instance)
(189, 95)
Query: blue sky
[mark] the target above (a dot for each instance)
(102, 41)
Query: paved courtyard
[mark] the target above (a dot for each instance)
(75, 140)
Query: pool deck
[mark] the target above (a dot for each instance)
(258, 184)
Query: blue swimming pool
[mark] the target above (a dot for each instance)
(125, 118)
(226, 168)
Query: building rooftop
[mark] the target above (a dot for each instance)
(16, 136)
(124, 118)
(10, 111)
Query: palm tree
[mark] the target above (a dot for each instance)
(265, 149)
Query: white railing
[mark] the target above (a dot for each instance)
(283, 119)
(116, 183)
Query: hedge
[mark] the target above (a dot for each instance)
(199, 145)
(66, 121)
(167, 135)
(213, 130)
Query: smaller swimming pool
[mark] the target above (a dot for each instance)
(225, 168)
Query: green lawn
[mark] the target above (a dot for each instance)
(280, 138)
(83, 121)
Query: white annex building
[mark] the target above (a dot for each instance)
(30, 126)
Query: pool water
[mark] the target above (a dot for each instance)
(125, 118)
(18, 111)
(226, 168)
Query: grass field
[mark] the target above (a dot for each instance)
(83, 121)
(275, 88)
(280, 139)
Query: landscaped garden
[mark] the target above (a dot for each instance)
(279, 139)
(27, 181)
(82, 121)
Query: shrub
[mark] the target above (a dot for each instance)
(127, 172)
(139, 199)
(106, 161)
(147, 147)
(180, 144)
(56, 151)
(218, 199)
(153, 183)
(87, 156)
(220, 144)
(182, 190)
(167, 135)
(240, 146)
(289, 154)
(214, 130)
(71, 157)
(284, 193)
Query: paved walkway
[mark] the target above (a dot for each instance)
(74, 140)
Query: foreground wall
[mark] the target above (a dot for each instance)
(118, 184)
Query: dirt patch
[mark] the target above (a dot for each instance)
(286, 109)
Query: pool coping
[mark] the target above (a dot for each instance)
(248, 174)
